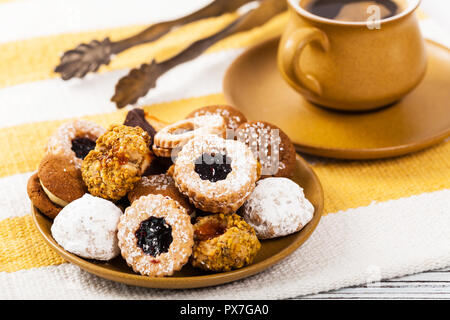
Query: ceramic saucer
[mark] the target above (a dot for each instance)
(254, 85)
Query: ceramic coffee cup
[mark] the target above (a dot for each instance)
(352, 66)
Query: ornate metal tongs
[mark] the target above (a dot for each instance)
(139, 81)
(89, 57)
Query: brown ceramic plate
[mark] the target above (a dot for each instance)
(421, 119)
(272, 251)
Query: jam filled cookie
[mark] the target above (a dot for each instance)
(74, 140)
(39, 198)
(271, 146)
(155, 236)
(162, 184)
(216, 174)
(87, 227)
(223, 242)
(179, 133)
(117, 162)
(277, 207)
(232, 116)
(60, 179)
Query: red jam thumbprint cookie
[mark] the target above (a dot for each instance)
(155, 236)
(217, 175)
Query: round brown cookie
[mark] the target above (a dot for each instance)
(39, 199)
(232, 116)
(61, 179)
(262, 137)
(159, 184)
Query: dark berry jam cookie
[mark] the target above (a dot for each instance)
(155, 236)
(74, 140)
(216, 174)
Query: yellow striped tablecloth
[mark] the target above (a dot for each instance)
(384, 217)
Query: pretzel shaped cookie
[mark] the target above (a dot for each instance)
(179, 133)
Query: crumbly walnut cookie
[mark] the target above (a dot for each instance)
(117, 162)
(74, 140)
(177, 134)
(232, 116)
(216, 174)
(223, 242)
(155, 236)
(271, 146)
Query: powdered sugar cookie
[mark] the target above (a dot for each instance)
(74, 140)
(87, 227)
(277, 207)
(216, 174)
(155, 236)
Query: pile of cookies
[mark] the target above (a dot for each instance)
(203, 190)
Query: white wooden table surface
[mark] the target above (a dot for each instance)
(428, 285)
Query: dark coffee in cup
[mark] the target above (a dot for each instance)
(353, 10)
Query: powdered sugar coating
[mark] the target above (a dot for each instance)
(87, 227)
(224, 196)
(60, 143)
(277, 207)
(182, 233)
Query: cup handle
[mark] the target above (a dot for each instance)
(291, 51)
